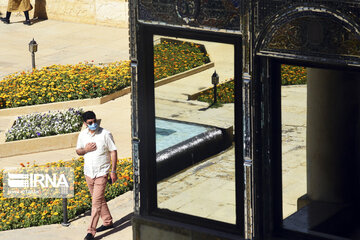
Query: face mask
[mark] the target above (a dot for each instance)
(93, 126)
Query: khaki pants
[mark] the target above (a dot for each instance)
(99, 206)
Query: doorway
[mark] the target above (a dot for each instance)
(308, 136)
(318, 145)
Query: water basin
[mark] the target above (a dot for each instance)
(182, 144)
(170, 132)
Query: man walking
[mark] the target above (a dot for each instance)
(97, 146)
(18, 6)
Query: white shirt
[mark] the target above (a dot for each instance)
(96, 163)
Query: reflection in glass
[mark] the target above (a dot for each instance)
(194, 142)
(293, 119)
(320, 171)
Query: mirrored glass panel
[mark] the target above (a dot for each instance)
(293, 120)
(194, 131)
(320, 153)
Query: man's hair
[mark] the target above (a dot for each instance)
(88, 115)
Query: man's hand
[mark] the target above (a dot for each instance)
(113, 155)
(113, 177)
(89, 147)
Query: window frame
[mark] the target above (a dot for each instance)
(266, 95)
(146, 123)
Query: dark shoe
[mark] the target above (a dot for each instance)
(27, 22)
(103, 228)
(5, 20)
(89, 236)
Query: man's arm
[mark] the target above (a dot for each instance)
(89, 147)
(113, 174)
(81, 151)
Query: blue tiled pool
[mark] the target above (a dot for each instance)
(170, 133)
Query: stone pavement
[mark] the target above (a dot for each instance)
(294, 146)
(61, 43)
(121, 209)
(206, 189)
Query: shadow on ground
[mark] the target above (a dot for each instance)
(119, 225)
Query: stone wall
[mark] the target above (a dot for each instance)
(102, 12)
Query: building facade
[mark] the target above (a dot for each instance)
(321, 36)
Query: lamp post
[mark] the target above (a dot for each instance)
(215, 81)
(33, 46)
(65, 222)
(64, 191)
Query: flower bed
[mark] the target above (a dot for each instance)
(172, 57)
(62, 83)
(45, 124)
(225, 93)
(290, 75)
(59, 83)
(293, 75)
(27, 212)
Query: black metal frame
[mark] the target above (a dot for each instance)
(268, 146)
(146, 121)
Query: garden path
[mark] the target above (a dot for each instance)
(121, 210)
(59, 43)
(70, 43)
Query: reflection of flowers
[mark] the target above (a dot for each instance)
(293, 75)
(290, 75)
(175, 57)
(225, 93)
